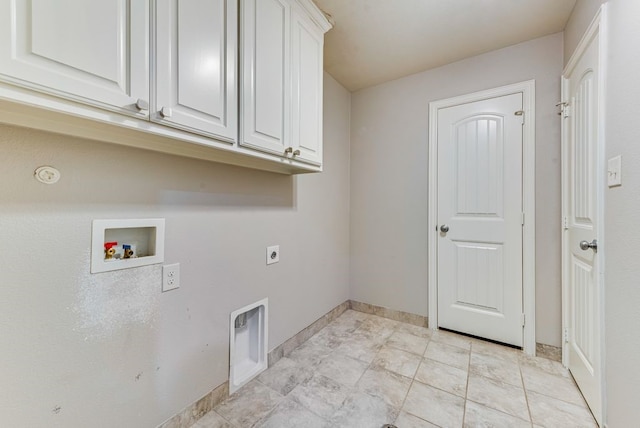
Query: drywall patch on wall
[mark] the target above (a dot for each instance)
(111, 301)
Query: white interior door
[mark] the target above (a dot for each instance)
(480, 218)
(582, 206)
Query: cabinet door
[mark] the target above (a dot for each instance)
(306, 82)
(92, 51)
(265, 75)
(195, 82)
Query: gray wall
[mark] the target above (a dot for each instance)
(581, 16)
(389, 139)
(111, 350)
(622, 217)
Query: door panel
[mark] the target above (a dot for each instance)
(196, 43)
(584, 319)
(265, 74)
(480, 200)
(306, 81)
(91, 51)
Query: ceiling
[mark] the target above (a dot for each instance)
(374, 41)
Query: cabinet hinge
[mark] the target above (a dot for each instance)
(523, 320)
(566, 335)
(565, 223)
(565, 109)
(522, 219)
(521, 114)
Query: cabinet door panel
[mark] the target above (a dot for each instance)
(196, 44)
(306, 79)
(92, 51)
(265, 74)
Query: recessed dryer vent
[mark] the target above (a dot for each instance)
(248, 343)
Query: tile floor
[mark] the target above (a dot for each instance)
(366, 371)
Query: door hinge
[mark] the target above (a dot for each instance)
(566, 335)
(565, 109)
(523, 320)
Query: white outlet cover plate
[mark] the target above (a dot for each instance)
(273, 254)
(614, 172)
(170, 277)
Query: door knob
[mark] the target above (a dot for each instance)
(444, 228)
(585, 245)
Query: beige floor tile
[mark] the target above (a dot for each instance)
(479, 416)
(361, 410)
(443, 376)
(389, 386)
(285, 375)
(321, 395)
(498, 395)
(359, 348)
(408, 342)
(501, 351)
(448, 354)
(310, 354)
(342, 369)
(398, 361)
(550, 413)
(434, 405)
(496, 368)
(329, 338)
(289, 414)
(376, 330)
(212, 420)
(355, 315)
(452, 339)
(249, 404)
(544, 364)
(559, 386)
(423, 332)
(407, 420)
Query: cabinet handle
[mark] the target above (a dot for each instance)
(288, 150)
(142, 104)
(296, 153)
(165, 112)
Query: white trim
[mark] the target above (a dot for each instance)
(527, 89)
(598, 27)
(241, 376)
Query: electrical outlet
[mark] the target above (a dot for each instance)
(273, 254)
(170, 277)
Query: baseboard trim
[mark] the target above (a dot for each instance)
(392, 314)
(549, 352)
(305, 334)
(190, 414)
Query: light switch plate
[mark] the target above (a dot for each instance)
(614, 172)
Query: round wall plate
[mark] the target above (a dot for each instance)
(47, 175)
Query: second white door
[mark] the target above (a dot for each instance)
(480, 218)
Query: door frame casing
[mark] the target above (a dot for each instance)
(527, 88)
(596, 27)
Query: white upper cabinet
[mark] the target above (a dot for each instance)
(92, 51)
(234, 81)
(265, 74)
(306, 88)
(195, 82)
(281, 109)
